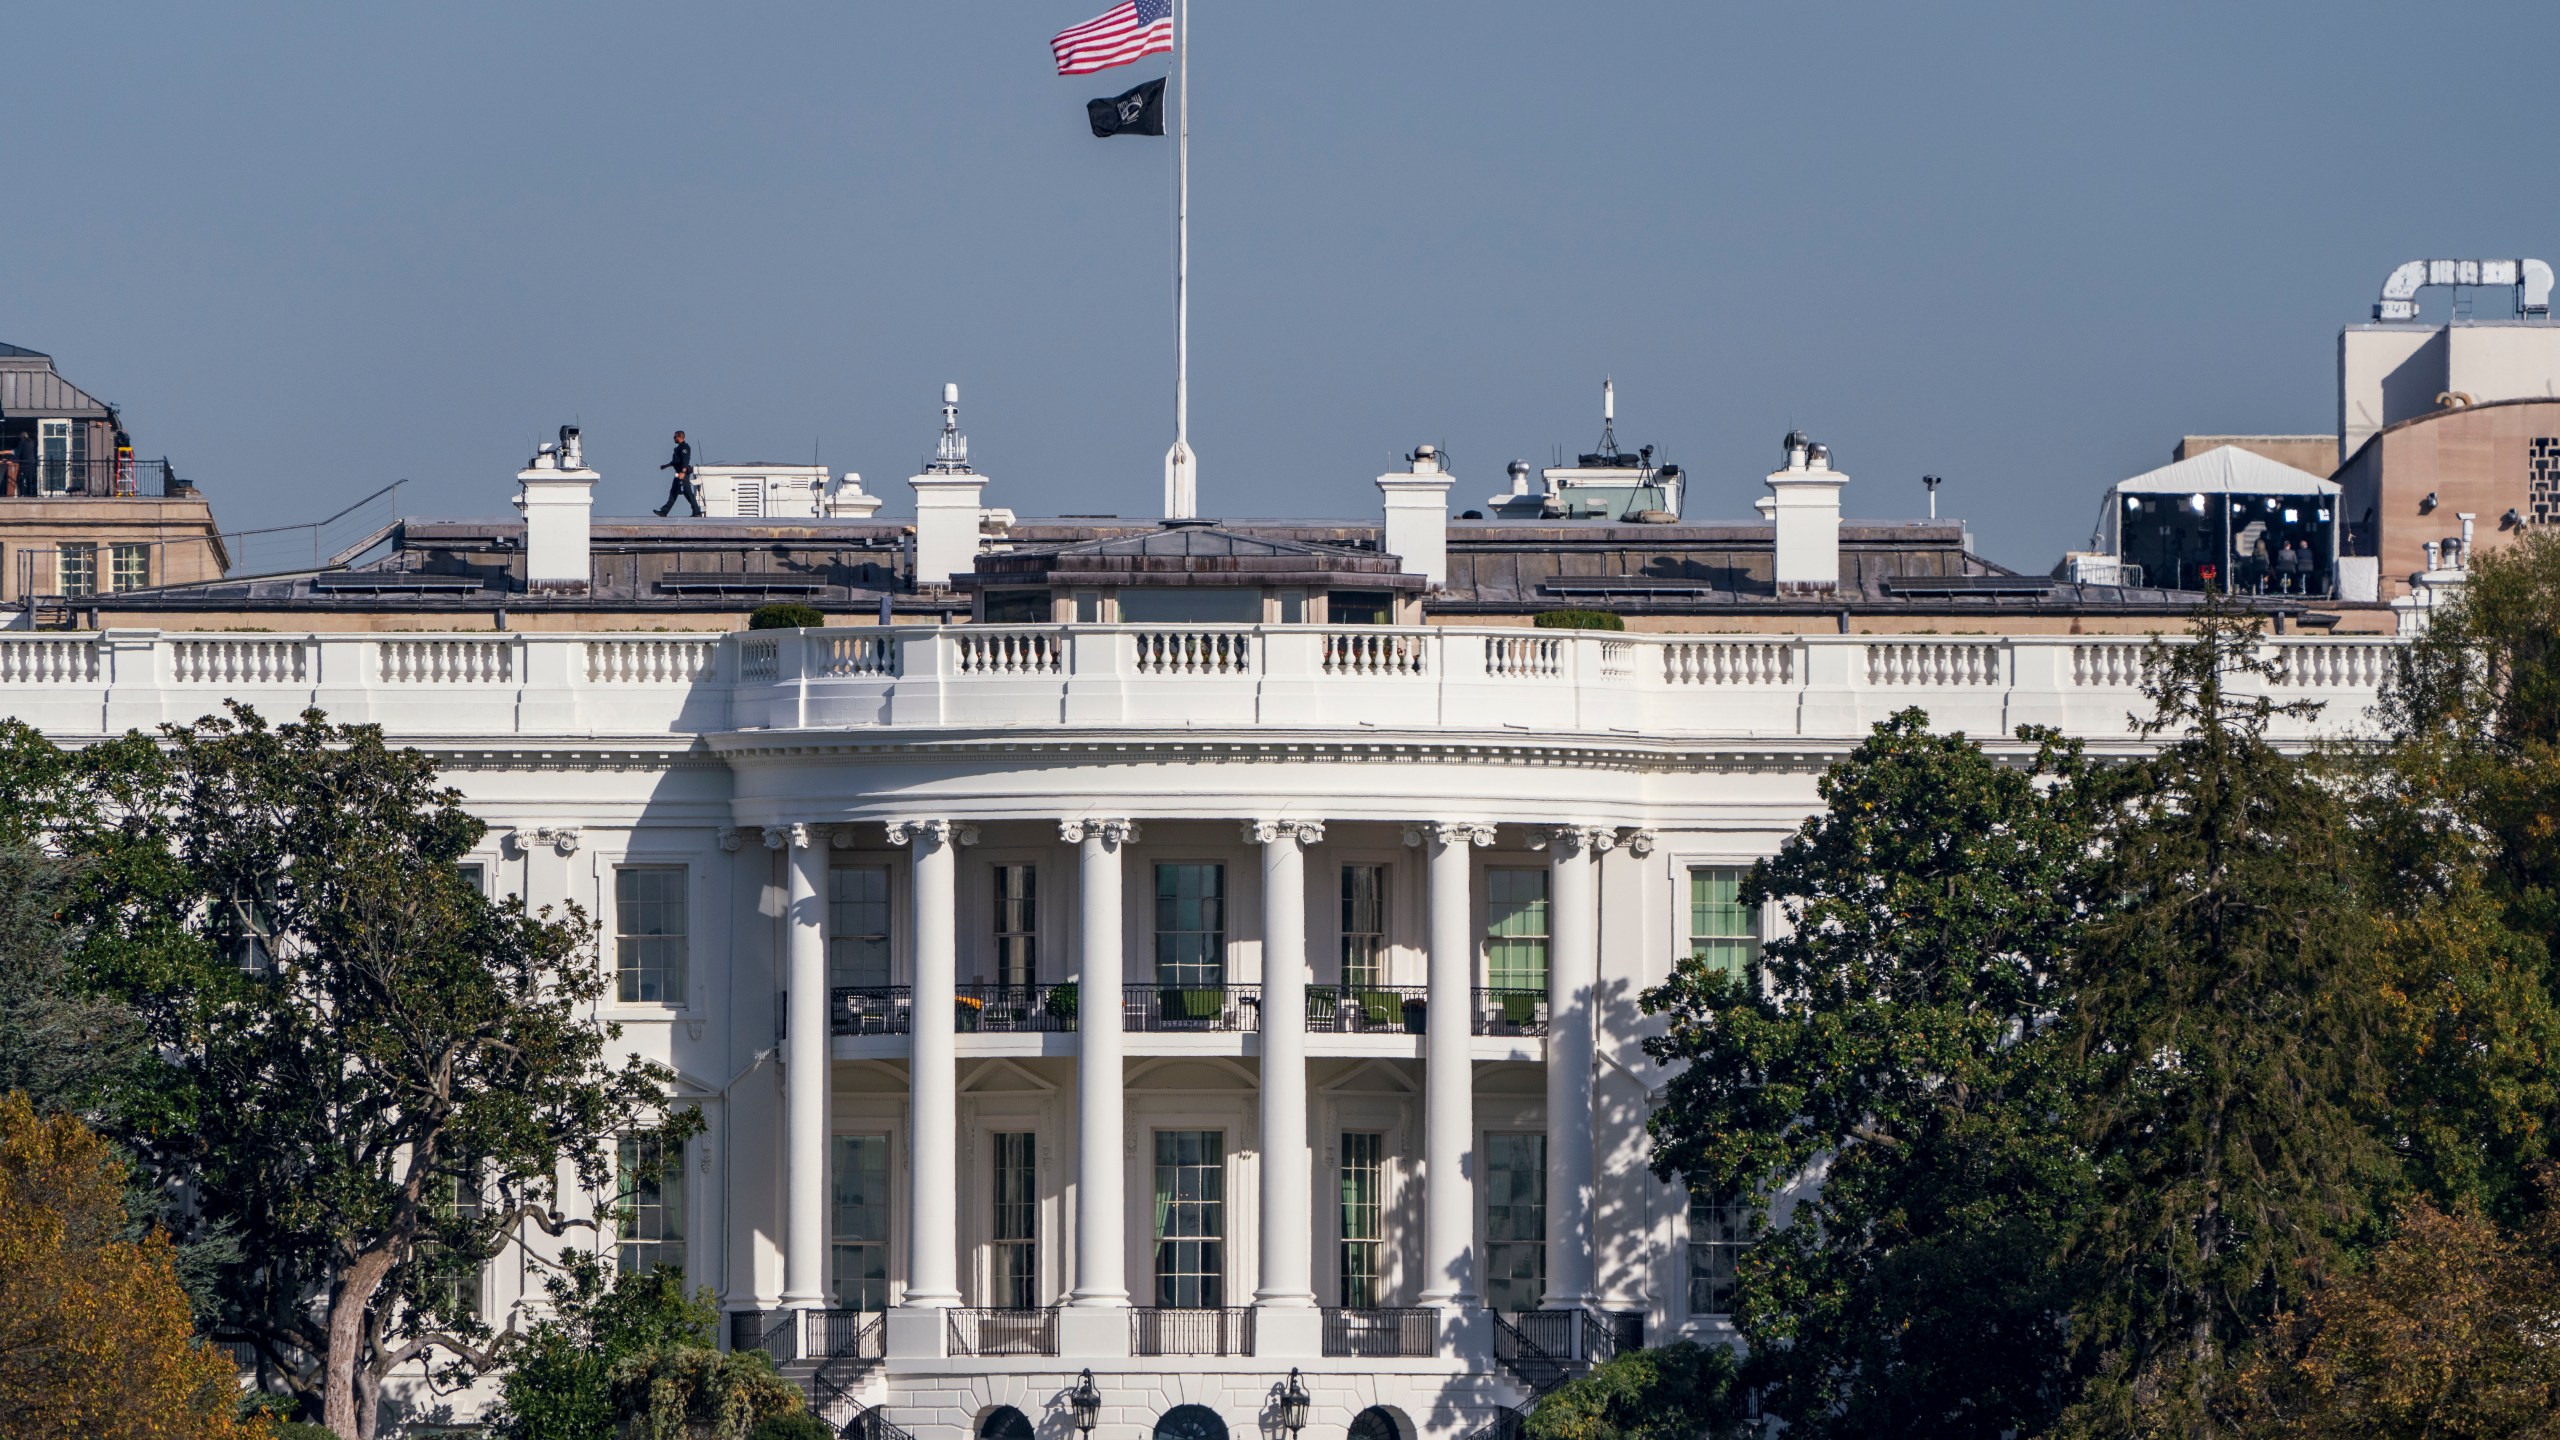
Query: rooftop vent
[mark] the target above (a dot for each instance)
(2530, 278)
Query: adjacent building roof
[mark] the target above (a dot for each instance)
(30, 390)
(1194, 553)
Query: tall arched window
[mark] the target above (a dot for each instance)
(1191, 1422)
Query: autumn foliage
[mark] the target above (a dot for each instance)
(95, 1339)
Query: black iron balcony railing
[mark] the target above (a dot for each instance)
(1178, 1007)
(849, 1334)
(1510, 1012)
(985, 1008)
(40, 475)
(1004, 1332)
(1381, 1334)
(1368, 1009)
(869, 1009)
(775, 1332)
(1156, 1331)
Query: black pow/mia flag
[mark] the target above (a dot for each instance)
(1133, 112)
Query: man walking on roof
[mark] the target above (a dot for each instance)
(682, 489)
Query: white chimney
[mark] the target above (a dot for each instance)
(557, 498)
(849, 501)
(1418, 515)
(1804, 499)
(947, 523)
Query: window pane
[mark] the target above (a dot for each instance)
(1719, 1231)
(78, 569)
(1017, 924)
(858, 926)
(1017, 1222)
(1723, 932)
(861, 1221)
(1363, 1219)
(132, 567)
(1364, 925)
(649, 1206)
(1515, 1216)
(649, 933)
(1191, 925)
(1516, 929)
(1190, 1219)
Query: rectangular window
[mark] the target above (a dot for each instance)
(1515, 1221)
(1723, 932)
(454, 1281)
(861, 1221)
(53, 458)
(77, 568)
(1363, 1219)
(131, 567)
(858, 926)
(648, 1211)
(1191, 1219)
(1364, 926)
(1191, 926)
(649, 933)
(1719, 1231)
(1515, 932)
(1017, 924)
(1017, 1229)
(475, 875)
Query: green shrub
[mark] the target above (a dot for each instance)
(789, 615)
(1579, 620)
(1679, 1392)
(798, 1425)
(302, 1430)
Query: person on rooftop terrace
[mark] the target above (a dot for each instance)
(682, 489)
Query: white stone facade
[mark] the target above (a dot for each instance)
(1377, 905)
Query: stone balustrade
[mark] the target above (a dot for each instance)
(1595, 684)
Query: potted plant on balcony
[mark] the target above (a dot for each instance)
(1061, 1003)
(964, 1011)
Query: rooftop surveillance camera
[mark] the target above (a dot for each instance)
(2428, 505)
(2511, 520)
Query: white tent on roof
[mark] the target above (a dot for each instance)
(2197, 480)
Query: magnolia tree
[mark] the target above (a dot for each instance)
(372, 1078)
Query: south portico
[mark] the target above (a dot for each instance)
(1426, 1048)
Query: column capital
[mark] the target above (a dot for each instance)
(562, 838)
(1567, 841)
(1272, 832)
(1449, 832)
(932, 832)
(787, 837)
(731, 837)
(1637, 839)
(1109, 832)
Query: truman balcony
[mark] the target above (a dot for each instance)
(874, 1022)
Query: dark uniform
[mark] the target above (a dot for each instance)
(682, 489)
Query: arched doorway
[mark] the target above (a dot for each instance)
(1005, 1423)
(1374, 1424)
(1190, 1422)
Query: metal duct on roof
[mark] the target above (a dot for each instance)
(2531, 279)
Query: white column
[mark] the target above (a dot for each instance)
(807, 1069)
(1288, 1183)
(1448, 1068)
(1102, 1272)
(1573, 972)
(933, 1081)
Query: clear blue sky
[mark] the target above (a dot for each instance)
(312, 248)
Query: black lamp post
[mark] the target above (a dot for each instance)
(1087, 1402)
(1293, 1405)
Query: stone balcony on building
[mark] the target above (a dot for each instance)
(1272, 681)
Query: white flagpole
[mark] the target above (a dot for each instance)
(1181, 480)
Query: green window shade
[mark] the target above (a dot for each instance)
(858, 926)
(1191, 1219)
(860, 1217)
(1191, 926)
(1515, 947)
(1364, 925)
(1363, 1219)
(1723, 932)
(1515, 1221)
(1017, 1222)
(649, 934)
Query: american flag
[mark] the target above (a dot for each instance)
(1115, 37)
